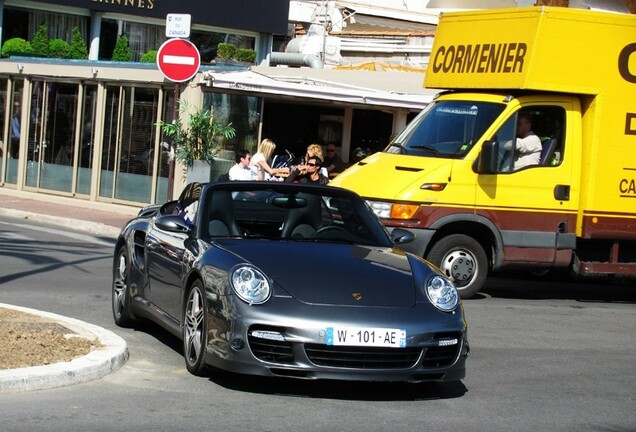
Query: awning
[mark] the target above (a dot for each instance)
(304, 83)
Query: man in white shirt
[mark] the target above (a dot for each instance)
(242, 169)
(528, 147)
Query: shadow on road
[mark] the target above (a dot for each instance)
(526, 287)
(344, 390)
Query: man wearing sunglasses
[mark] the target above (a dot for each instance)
(308, 173)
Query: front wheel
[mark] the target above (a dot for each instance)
(121, 289)
(195, 330)
(462, 259)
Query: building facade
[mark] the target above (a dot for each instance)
(90, 128)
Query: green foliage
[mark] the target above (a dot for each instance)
(16, 46)
(78, 50)
(40, 41)
(149, 57)
(225, 50)
(59, 48)
(245, 55)
(122, 50)
(200, 138)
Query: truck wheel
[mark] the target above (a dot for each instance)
(462, 259)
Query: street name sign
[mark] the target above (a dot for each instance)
(178, 25)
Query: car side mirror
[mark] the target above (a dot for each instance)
(401, 236)
(172, 223)
(487, 162)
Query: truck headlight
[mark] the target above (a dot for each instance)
(381, 209)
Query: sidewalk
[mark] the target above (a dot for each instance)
(93, 217)
(96, 218)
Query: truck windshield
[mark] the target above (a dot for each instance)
(446, 129)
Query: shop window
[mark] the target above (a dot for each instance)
(370, 132)
(50, 141)
(244, 114)
(128, 143)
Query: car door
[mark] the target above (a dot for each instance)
(164, 259)
(534, 207)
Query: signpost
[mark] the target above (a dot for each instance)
(178, 59)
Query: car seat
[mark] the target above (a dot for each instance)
(303, 222)
(221, 215)
(549, 147)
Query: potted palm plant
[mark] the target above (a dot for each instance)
(198, 141)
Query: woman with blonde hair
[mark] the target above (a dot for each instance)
(315, 150)
(262, 157)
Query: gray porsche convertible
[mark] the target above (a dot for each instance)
(288, 280)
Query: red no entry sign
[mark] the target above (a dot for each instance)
(178, 59)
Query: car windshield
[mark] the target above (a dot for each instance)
(282, 211)
(446, 129)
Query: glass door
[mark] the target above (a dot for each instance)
(51, 140)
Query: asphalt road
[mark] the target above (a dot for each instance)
(546, 356)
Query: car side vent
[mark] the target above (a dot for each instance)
(269, 344)
(444, 352)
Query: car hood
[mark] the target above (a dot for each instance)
(332, 274)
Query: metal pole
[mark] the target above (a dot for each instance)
(173, 150)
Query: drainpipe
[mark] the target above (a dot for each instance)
(295, 59)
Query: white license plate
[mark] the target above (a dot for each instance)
(364, 336)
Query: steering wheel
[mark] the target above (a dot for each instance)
(331, 232)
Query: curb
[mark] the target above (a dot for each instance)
(90, 227)
(94, 365)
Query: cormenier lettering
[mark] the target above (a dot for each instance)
(627, 187)
(623, 63)
(630, 124)
(480, 58)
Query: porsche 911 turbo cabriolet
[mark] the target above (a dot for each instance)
(288, 280)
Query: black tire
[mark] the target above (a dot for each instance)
(121, 300)
(195, 335)
(462, 259)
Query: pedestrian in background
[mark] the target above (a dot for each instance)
(242, 170)
(333, 163)
(261, 160)
(308, 173)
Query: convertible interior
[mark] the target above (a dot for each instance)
(301, 216)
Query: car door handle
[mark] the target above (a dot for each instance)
(562, 192)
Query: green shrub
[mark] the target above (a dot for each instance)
(245, 55)
(78, 50)
(40, 41)
(225, 50)
(16, 46)
(149, 57)
(122, 50)
(59, 48)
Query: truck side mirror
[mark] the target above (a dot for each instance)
(487, 160)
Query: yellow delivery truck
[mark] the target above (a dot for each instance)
(528, 158)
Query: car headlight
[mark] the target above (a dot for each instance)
(250, 284)
(442, 293)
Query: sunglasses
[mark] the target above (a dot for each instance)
(312, 164)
